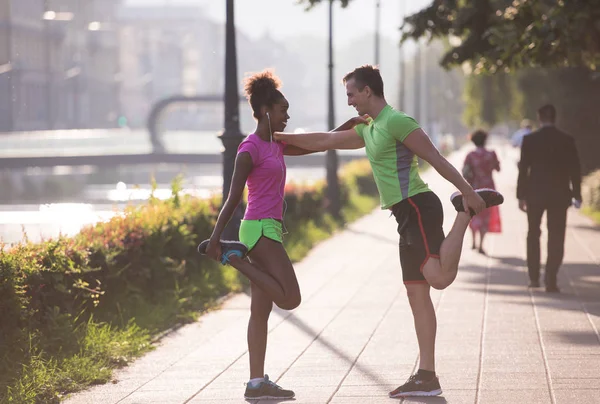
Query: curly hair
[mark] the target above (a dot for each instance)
(262, 89)
(479, 137)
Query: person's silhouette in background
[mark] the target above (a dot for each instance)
(549, 180)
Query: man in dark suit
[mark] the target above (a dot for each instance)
(549, 181)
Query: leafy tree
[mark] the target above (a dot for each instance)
(491, 99)
(552, 48)
(505, 34)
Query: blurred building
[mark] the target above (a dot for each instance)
(166, 51)
(58, 64)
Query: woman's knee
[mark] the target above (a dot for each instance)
(291, 302)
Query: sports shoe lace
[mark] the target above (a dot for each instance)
(271, 383)
(412, 378)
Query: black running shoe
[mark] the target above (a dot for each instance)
(227, 248)
(267, 390)
(491, 197)
(416, 386)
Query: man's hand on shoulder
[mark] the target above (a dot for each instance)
(361, 119)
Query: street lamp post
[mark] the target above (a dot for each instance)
(232, 135)
(402, 72)
(377, 24)
(331, 160)
(417, 82)
(48, 42)
(9, 72)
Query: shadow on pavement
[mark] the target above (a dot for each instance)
(375, 236)
(579, 337)
(301, 325)
(579, 284)
(584, 227)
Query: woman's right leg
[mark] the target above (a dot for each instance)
(272, 271)
(260, 309)
(258, 330)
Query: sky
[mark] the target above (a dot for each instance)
(282, 19)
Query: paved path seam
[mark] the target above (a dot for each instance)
(389, 308)
(572, 284)
(488, 275)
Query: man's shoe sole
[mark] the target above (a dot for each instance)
(418, 394)
(494, 202)
(269, 398)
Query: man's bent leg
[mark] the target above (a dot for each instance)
(440, 273)
(422, 232)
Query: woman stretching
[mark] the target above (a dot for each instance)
(260, 165)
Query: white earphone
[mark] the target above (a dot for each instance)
(270, 130)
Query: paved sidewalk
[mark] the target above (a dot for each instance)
(352, 340)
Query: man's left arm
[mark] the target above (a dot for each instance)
(420, 144)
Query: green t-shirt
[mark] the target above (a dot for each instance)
(395, 166)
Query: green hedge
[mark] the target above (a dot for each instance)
(590, 190)
(74, 308)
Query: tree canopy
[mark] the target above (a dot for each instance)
(505, 34)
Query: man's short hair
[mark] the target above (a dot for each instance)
(547, 113)
(366, 75)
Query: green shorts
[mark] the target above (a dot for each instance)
(252, 230)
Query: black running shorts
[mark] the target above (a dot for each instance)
(420, 219)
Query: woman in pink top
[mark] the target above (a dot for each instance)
(260, 165)
(477, 170)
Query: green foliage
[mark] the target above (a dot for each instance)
(75, 308)
(491, 99)
(590, 191)
(504, 34)
(550, 47)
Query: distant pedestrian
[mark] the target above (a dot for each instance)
(549, 181)
(477, 170)
(517, 137)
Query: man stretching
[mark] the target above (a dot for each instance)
(393, 142)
